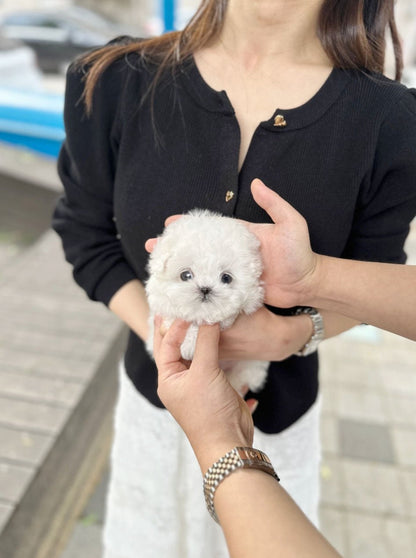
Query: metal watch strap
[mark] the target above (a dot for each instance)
(318, 330)
(237, 458)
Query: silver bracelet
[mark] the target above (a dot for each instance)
(318, 333)
(237, 458)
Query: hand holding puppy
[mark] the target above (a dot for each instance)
(290, 271)
(198, 395)
(290, 265)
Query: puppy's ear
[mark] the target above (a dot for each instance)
(256, 266)
(158, 262)
(254, 299)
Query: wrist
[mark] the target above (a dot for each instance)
(314, 283)
(236, 459)
(318, 330)
(304, 331)
(294, 332)
(209, 452)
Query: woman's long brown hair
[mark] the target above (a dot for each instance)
(352, 32)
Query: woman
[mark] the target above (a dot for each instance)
(188, 120)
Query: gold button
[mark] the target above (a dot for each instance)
(280, 121)
(229, 196)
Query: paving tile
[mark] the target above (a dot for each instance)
(402, 410)
(408, 481)
(38, 316)
(333, 525)
(341, 350)
(413, 528)
(327, 366)
(399, 380)
(329, 400)
(44, 343)
(96, 505)
(406, 363)
(85, 541)
(40, 389)
(14, 480)
(33, 416)
(364, 440)
(361, 404)
(23, 446)
(404, 441)
(376, 537)
(393, 342)
(43, 303)
(47, 365)
(5, 512)
(373, 488)
(329, 434)
(359, 375)
(332, 482)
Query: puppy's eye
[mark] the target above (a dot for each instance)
(186, 275)
(226, 278)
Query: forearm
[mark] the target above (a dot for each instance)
(383, 295)
(335, 323)
(298, 330)
(271, 337)
(256, 514)
(259, 518)
(130, 304)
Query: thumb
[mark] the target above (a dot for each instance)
(172, 219)
(277, 208)
(150, 244)
(206, 348)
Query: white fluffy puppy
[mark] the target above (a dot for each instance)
(205, 269)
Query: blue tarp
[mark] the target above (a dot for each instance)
(32, 119)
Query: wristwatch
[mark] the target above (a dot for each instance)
(237, 458)
(318, 330)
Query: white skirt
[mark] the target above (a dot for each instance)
(155, 504)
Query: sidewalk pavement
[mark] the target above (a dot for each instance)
(58, 359)
(368, 425)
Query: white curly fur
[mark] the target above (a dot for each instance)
(207, 246)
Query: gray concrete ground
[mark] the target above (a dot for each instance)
(24, 211)
(56, 351)
(368, 426)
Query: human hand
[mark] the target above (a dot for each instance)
(151, 242)
(291, 269)
(264, 336)
(290, 265)
(198, 395)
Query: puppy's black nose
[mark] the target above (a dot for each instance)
(205, 290)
